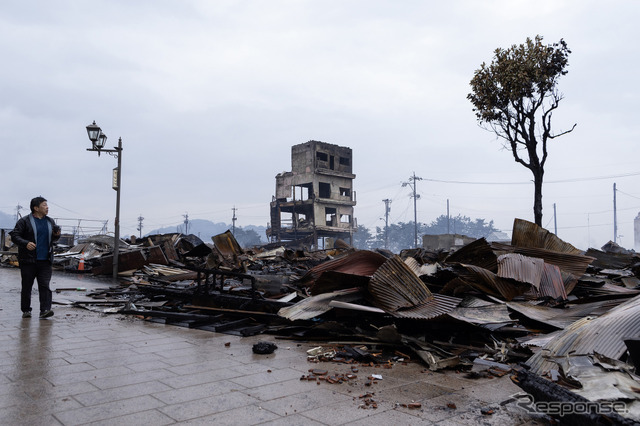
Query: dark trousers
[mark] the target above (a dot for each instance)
(41, 270)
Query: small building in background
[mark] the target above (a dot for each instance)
(315, 200)
(446, 242)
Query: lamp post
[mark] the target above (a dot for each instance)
(98, 140)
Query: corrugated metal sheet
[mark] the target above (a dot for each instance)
(313, 306)
(521, 268)
(573, 263)
(478, 253)
(425, 269)
(474, 302)
(552, 284)
(438, 306)
(612, 260)
(361, 262)
(562, 317)
(528, 234)
(494, 313)
(607, 289)
(603, 335)
(490, 283)
(394, 286)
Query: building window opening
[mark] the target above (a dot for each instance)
(345, 192)
(324, 190)
(330, 216)
(322, 156)
(301, 193)
(345, 161)
(345, 218)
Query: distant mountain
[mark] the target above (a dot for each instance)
(205, 229)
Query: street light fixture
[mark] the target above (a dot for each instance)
(98, 141)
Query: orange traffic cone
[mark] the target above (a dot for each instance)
(81, 263)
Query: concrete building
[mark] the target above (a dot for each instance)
(315, 200)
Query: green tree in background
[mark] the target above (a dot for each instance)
(462, 225)
(515, 97)
(363, 239)
(247, 237)
(401, 234)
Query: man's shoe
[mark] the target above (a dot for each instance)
(46, 314)
(26, 314)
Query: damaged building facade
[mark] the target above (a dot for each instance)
(315, 200)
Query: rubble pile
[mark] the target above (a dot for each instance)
(537, 308)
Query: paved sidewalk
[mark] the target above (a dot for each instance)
(81, 367)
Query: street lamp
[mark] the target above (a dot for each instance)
(98, 141)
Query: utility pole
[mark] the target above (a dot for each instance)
(588, 232)
(140, 219)
(18, 207)
(448, 216)
(387, 209)
(233, 220)
(555, 220)
(615, 216)
(186, 223)
(412, 184)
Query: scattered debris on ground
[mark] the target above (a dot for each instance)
(562, 322)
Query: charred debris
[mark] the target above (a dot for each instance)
(559, 320)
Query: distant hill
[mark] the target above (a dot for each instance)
(205, 229)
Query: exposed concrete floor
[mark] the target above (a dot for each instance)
(81, 367)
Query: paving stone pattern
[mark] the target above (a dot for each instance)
(81, 367)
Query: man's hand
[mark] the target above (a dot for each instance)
(31, 246)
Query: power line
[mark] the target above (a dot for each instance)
(628, 195)
(530, 182)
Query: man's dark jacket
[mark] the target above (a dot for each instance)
(24, 233)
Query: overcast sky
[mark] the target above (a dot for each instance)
(209, 97)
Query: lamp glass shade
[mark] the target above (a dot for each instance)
(102, 140)
(93, 131)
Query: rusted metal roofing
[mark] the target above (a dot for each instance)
(362, 262)
(395, 285)
(521, 268)
(485, 255)
(490, 283)
(438, 306)
(227, 244)
(551, 284)
(479, 253)
(604, 335)
(575, 264)
(612, 260)
(528, 234)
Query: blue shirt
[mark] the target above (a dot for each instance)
(42, 242)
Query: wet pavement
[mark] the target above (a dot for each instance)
(82, 367)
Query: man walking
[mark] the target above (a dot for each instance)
(35, 234)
